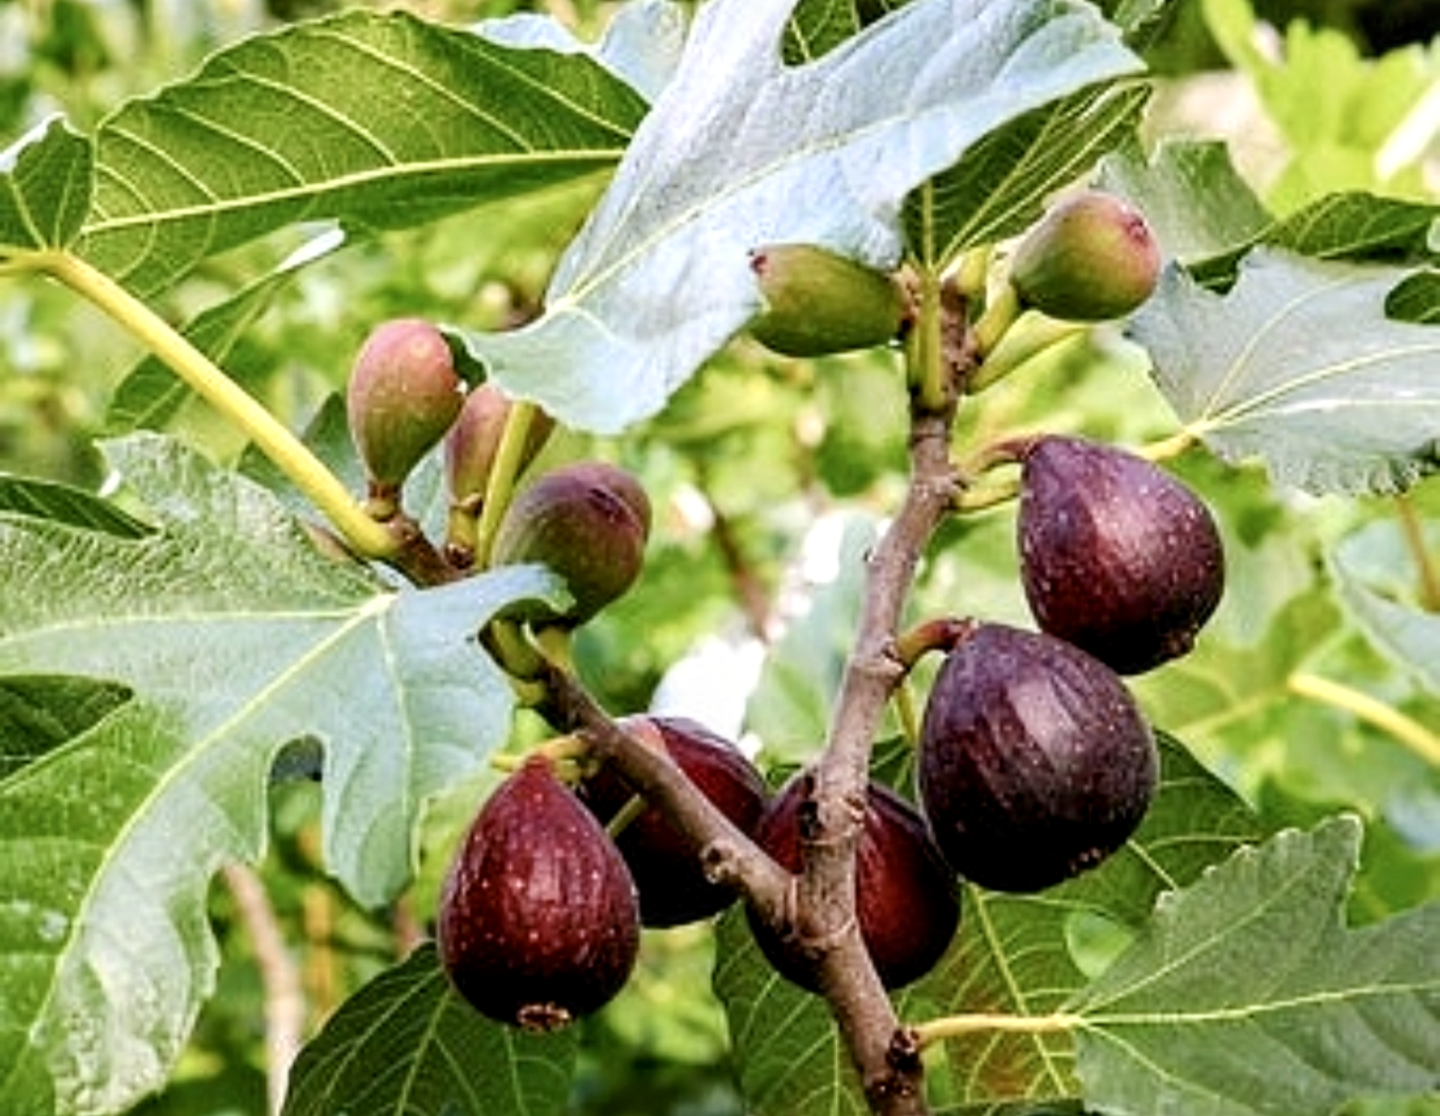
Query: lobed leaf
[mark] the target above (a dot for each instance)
(407, 1043)
(235, 636)
(742, 150)
(45, 184)
(1266, 370)
(1247, 996)
(373, 119)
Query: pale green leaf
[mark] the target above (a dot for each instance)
(1246, 995)
(741, 150)
(45, 184)
(235, 636)
(407, 1045)
(373, 119)
(1266, 371)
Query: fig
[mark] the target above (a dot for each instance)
(474, 439)
(906, 900)
(1091, 257)
(402, 396)
(538, 921)
(1035, 763)
(819, 302)
(1116, 556)
(588, 522)
(664, 863)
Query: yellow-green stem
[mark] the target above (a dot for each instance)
(1000, 313)
(924, 355)
(509, 457)
(1426, 563)
(1372, 711)
(958, 1026)
(1028, 337)
(288, 453)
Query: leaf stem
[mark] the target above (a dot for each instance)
(958, 1026)
(500, 485)
(288, 453)
(1425, 562)
(1371, 710)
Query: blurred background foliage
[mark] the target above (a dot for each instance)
(769, 477)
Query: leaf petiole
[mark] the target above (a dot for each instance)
(500, 486)
(270, 436)
(1408, 731)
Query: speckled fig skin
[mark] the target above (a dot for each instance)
(474, 439)
(819, 302)
(1116, 556)
(588, 522)
(664, 863)
(538, 921)
(907, 901)
(401, 398)
(1090, 258)
(1035, 763)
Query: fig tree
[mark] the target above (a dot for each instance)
(588, 522)
(402, 396)
(906, 899)
(538, 922)
(819, 302)
(1116, 555)
(664, 863)
(1091, 257)
(1035, 763)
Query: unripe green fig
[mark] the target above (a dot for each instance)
(906, 899)
(538, 923)
(1090, 258)
(473, 440)
(588, 522)
(819, 302)
(665, 864)
(1116, 556)
(1035, 763)
(402, 396)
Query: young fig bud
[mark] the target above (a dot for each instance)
(474, 439)
(588, 522)
(538, 923)
(819, 302)
(1090, 258)
(1116, 555)
(402, 396)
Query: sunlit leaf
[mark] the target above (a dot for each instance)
(235, 636)
(1268, 370)
(406, 1043)
(1246, 995)
(741, 150)
(45, 184)
(373, 119)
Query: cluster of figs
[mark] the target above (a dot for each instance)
(1034, 762)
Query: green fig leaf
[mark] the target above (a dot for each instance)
(235, 636)
(45, 184)
(410, 1016)
(742, 150)
(322, 120)
(1263, 371)
(1246, 995)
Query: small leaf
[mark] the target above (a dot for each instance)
(1416, 298)
(42, 499)
(45, 184)
(373, 119)
(1269, 370)
(742, 150)
(407, 1045)
(41, 712)
(1247, 996)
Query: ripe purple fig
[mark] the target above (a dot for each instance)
(1116, 556)
(538, 920)
(819, 302)
(906, 899)
(1035, 763)
(664, 863)
(402, 396)
(1091, 257)
(588, 522)
(473, 441)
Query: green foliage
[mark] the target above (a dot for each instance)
(193, 673)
